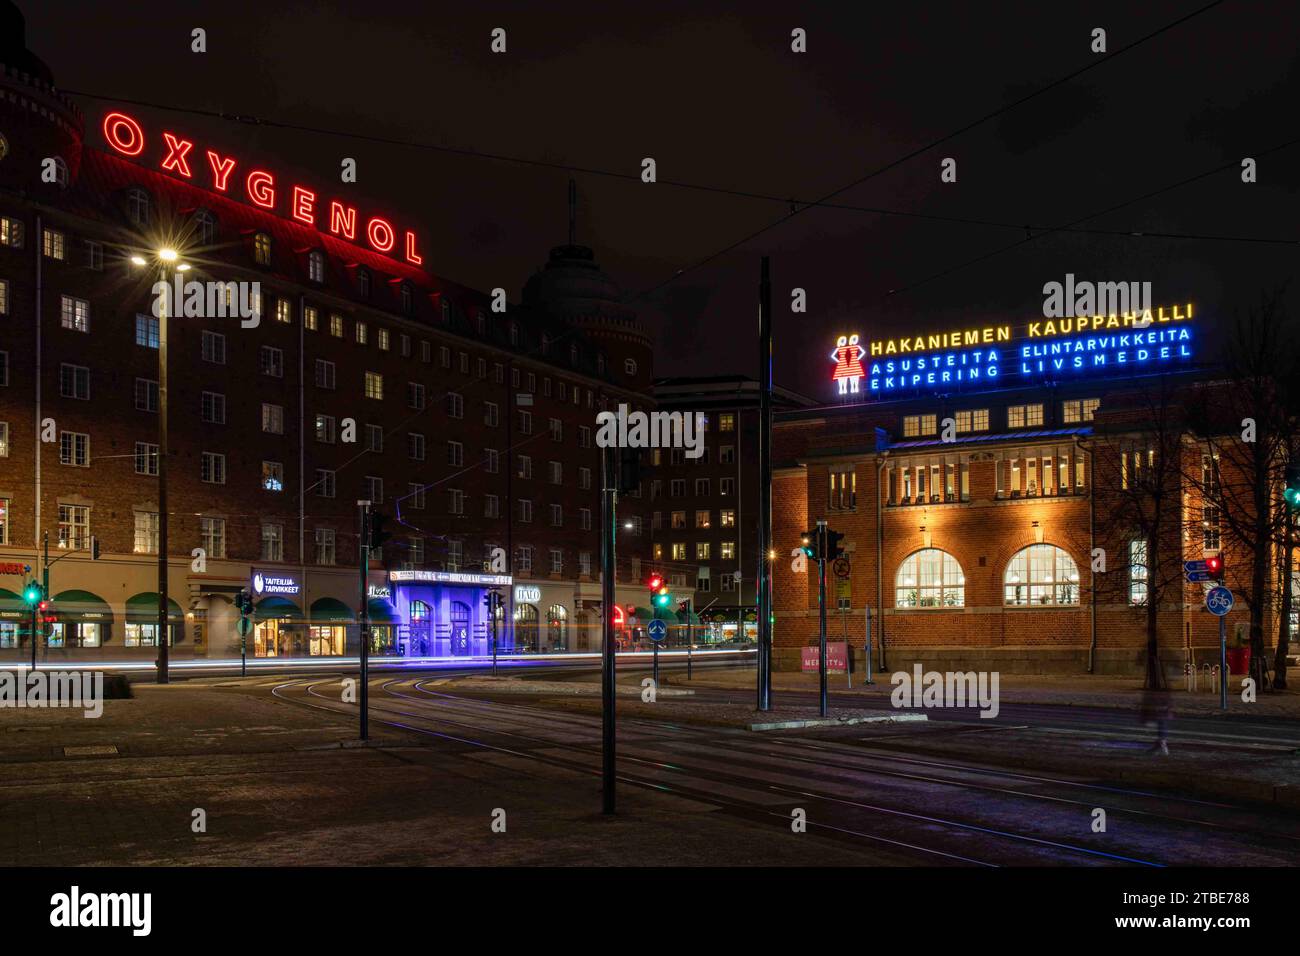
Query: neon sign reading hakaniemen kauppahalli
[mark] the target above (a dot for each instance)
(1047, 350)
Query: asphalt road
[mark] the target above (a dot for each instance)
(850, 786)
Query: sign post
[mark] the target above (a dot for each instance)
(657, 630)
(363, 616)
(1219, 601)
(867, 648)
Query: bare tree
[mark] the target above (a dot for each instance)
(1246, 423)
(1137, 451)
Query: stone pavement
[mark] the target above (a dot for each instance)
(277, 787)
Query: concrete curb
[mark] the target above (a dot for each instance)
(837, 721)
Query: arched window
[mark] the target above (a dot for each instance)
(419, 611)
(1042, 575)
(558, 619)
(930, 578)
(262, 249)
(205, 227)
(526, 627)
(137, 205)
(363, 282)
(316, 266)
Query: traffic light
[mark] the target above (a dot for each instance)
(655, 583)
(244, 603)
(1214, 565)
(629, 470)
(833, 547)
(1292, 492)
(33, 594)
(378, 536)
(808, 542)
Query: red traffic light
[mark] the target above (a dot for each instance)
(656, 582)
(1214, 564)
(42, 605)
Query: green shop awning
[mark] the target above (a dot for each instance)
(82, 606)
(12, 606)
(381, 612)
(143, 609)
(277, 609)
(328, 610)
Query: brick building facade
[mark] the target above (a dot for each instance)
(365, 376)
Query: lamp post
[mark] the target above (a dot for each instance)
(164, 257)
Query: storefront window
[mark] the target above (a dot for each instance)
(267, 640)
(145, 635)
(526, 632)
(558, 629)
(326, 640)
(8, 634)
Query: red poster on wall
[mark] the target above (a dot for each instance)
(837, 657)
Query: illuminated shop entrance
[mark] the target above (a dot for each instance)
(526, 628)
(557, 635)
(442, 613)
(459, 634)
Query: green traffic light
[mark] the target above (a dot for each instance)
(1292, 497)
(32, 594)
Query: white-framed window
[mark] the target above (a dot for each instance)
(74, 449)
(74, 313)
(212, 536)
(146, 395)
(525, 469)
(273, 476)
(137, 206)
(584, 519)
(455, 501)
(214, 348)
(11, 232)
(455, 453)
(415, 495)
(557, 516)
(557, 560)
(374, 386)
(524, 559)
(491, 506)
(212, 468)
(325, 373)
(325, 482)
(491, 414)
(374, 489)
(212, 408)
(54, 245)
(272, 419)
(272, 541)
(146, 330)
(74, 527)
(146, 458)
(1138, 576)
(415, 446)
(375, 439)
(929, 578)
(270, 361)
(326, 428)
(415, 395)
(323, 551)
(525, 510)
(1041, 575)
(455, 405)
(74, 382)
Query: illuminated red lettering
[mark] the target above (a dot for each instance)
(123, 134)
(261, 188)
(411, 255)
(303, 202)
(177, 150)
(221, 170)
(380, 234)
(343, 219)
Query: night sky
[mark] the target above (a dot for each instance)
(715, 95)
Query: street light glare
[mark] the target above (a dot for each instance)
(183, 267)
(137, 260)
(167, 255)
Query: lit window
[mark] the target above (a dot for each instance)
(930, 578)
(74, 314)
(262, 249)
(54, 245)
(374, 385)
(1137, 571)
(1041, 575)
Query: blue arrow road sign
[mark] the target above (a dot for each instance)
(1190, 566)
(1198, 575)
(1219, 601)
(657, 630)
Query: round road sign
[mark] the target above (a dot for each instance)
(1219, 601)
(657, 629)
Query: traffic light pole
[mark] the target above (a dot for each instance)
(764, 581)
(492, 612)
(821, 610)
(363, 616)
(608, 500)
(163, 648)
(1223, 662)
(690, 636)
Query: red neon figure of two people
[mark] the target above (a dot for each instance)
(847, 356)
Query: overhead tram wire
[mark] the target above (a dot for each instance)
(1233, 164)
(931, 145)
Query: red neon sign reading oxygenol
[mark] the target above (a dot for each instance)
(125, 135)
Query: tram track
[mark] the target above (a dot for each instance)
(517, 744)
